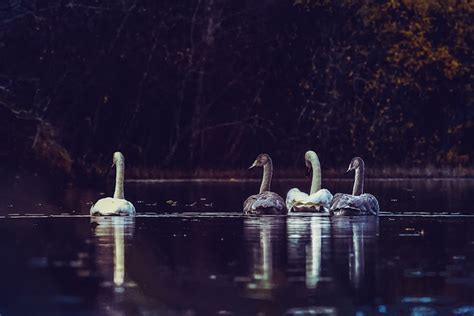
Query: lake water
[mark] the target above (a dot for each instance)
(191, 252)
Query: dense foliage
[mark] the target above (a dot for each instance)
(212, 83)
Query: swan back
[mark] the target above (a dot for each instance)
(302, 202)
(265, 203)
(112, 206)
(347, 204)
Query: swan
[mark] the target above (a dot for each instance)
(116, 205)
(265, 202)
(357, 203)
(318, 199)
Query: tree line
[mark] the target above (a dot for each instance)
(212, 83)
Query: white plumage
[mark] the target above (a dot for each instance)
(298, 201)
(116, 205)
(112, 206)
(319, 199)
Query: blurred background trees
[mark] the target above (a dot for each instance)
(212, 83)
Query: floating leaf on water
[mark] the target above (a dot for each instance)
(171, 202)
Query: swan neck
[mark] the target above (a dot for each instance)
(358, 188)
(267, 177)
(119, 176)
(316, 179)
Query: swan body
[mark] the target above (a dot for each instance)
(298, 201)
(319, 199)
(265, 202)
(349, 205)
(357, 203)
(112, 206)
(116, 205)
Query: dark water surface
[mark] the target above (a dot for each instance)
(34, 196)
(191, 252)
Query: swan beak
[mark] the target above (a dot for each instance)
(253, 165)
(348, 170)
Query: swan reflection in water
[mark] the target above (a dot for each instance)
(264, 237)
(307, 237)
(355, 251)
(112, 237)
(325, 255)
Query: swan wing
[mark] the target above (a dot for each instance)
(266, 202)
(112, 206)
(248, 203)
(316, 202)
(322, 197)
(294, 197)
(347, 204)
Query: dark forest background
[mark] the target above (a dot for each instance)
(212, 83)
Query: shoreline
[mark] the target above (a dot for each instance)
(233, 180)
(291, 174)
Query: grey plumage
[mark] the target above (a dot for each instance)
(347, 204)
(357, 203)
(265, 203)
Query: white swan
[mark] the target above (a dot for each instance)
(318, 199)
(357, 203)
(116, 205)
(265, 202)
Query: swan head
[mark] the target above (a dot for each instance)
(356, 163)
(261, 161)
(118, 159)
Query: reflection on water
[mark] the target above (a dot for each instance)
(323, 257)
(113, 235)
(204, 265)
(306, 237)
(262, 234)
(355, 249)
(112, 238)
